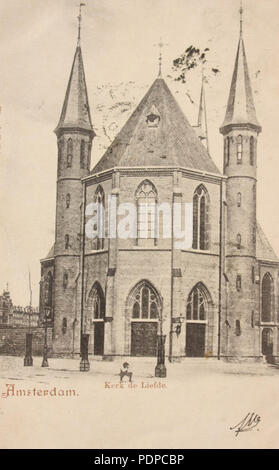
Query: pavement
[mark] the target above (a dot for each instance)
(195, 406)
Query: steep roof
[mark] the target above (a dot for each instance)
(157, 134)
(75, 112)
(264, 249)
(240, 107)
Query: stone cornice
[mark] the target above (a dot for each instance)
(158, 170)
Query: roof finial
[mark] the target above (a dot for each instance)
(79, 22)
(160, 45)
(241, 18)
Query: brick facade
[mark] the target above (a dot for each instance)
(206, 297)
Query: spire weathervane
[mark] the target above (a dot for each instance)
(160, 45)
(241, 17)
(79, 22)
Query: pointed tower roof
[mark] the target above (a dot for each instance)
(240, 108)
(75, 112)
(157, 134)
(201, 128)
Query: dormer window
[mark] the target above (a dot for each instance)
(153, 117)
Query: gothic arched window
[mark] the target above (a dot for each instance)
(239, 149)
(146, 197)
(82, 154)
(97, 300)
(238, 241)
(48, 292)
(88, 155)
(69, 152)
(197, 304)
(201, 219)
(67, 241)
(68, 200)
(65, 280)
(145, 302)
(238, 199)
(99, 199)
(252, 150)
(267, 298)
(60, 155)
(64, 325)
(237, 328)
(238, 282)
(227, 151)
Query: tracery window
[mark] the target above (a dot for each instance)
(239, 149)
(267, 313)
(201, 219)
(146, 303)
(146, 197)
(197, 304)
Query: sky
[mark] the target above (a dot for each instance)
(37, 45)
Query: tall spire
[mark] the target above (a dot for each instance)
(240, 108)
(75, 112)
(202, 117)
(201, 128)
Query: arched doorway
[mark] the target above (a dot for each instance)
(196, 320)
(144, 307)
(97, 307)
(267, 342)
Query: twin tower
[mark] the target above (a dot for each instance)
(61, 270)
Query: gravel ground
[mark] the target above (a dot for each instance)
(194, 407)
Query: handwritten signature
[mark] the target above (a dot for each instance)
(248, 423)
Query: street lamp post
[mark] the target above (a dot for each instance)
(84, 363)
(160, 369)
(28, 359)
(47, 313)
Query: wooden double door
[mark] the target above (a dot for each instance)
(99, 336)
(195, 339)
(144, 338)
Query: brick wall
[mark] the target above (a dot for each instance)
(12, 341)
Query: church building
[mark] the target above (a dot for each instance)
(215, 298)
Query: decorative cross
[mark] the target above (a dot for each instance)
(241, 16)
(79, 21)
(160, 45)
